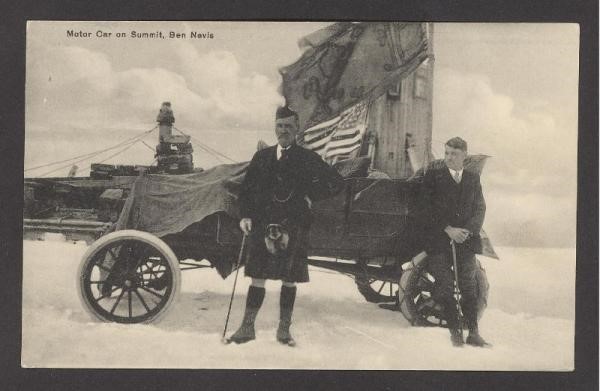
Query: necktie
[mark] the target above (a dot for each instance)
(456, 177)
(284, 154)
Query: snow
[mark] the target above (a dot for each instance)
(530, 321)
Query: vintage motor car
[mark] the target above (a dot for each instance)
(144, 230)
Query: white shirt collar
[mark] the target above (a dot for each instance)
(280, 148)
(453, 172)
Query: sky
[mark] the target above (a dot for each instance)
(509, 89)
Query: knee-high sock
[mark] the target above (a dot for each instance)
(286, 305)
(246, 331)
(254, 301)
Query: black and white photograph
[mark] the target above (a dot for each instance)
(345, 195)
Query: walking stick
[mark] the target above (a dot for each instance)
(239, 260)
(457, 289)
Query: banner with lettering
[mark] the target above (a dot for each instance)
(347, 63)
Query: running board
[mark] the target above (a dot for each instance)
(71, 228)
(356, 269)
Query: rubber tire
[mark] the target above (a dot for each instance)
(410, 277)
(130, 234)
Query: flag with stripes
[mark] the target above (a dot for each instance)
(338, 138)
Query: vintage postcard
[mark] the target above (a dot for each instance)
(300, 195)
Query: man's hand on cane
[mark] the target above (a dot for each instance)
(246, 225)
(458, 235)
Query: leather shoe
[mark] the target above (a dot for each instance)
(476, 340)
(456, 338)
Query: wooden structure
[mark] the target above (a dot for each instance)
(398, 137)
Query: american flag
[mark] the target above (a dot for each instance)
(338, 138)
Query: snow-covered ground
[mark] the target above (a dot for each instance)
(530, 321)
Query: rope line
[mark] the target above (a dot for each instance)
(128, 145)
(149, 147)
(208, 149)
(113, 155)
(213, 152)
(180, 131)
(92, 154)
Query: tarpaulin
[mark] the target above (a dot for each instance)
(166, 204)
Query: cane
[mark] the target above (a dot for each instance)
(457, 289)
(239, 260)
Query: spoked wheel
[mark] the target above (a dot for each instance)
(128, 277)
(416, 287)
(376, 291)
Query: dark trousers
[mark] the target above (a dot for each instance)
(439, 265)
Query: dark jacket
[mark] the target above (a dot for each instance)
(448, 203)
(273, 192)
(302, 173)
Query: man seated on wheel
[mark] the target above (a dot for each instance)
(275, 197)
(454, 209)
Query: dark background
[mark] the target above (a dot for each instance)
(12, 64)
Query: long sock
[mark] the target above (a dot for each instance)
(254, 301)
(255, 297)
(287, 298)
(286, 307)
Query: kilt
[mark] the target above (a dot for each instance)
(289, 266)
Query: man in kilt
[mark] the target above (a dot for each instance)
(280, 183)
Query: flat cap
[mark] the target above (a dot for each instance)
(458, 143)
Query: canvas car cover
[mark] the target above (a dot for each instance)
(167, 204)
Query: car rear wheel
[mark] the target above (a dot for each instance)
(415, 291)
